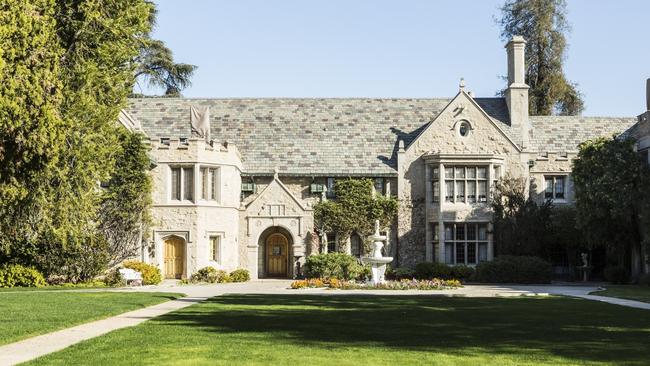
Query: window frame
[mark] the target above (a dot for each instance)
(463, 182)
(181, 195)
(214, 253)
(210, 183)
(454, 241)
(553, 195)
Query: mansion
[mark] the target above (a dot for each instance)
(235, 180)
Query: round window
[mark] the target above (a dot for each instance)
(463, 129)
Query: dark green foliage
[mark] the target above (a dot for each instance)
(124, 216)
(462, 272)
(150, 274)
(156, 66)
(114, 278)
(521, 226)
(15, 275)
(617, 275)
(543, 24)
(644, 280)
(514, 269)
(355, 210)
(613, 206)
(334, 265)
(429, 270)
(240, 275)
(401, 273)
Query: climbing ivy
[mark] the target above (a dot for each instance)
(354, 210)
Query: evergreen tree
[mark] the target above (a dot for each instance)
(613, 208)
(67, 67)
(543, 24)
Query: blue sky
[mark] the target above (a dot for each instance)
(363, 48)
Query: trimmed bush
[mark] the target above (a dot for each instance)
(462, 272)
(240, 275)
(430, 270)
(403, 273)
(617, 275)
(210, 275)
(150, 274)
(644, 280)
(514, 269)
(335, 265)
(15, 275)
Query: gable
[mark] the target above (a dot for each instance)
(275, 200)
(442, 135)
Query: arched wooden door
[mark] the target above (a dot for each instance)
(277, 256)
(174, 257)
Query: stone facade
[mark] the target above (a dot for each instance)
(271, 160)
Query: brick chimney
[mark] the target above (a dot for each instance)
(517, 92)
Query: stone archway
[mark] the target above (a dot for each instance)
(275, 253)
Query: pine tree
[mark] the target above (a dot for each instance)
(543, 24)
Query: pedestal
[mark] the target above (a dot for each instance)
(378, 271)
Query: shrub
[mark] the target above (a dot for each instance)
(113, 277)
(430, 270)
(617, 275)
(210, 275)
(514, 269)
(240, 275)
(150, 274)
(644, 280)
(335, 265)
(15, 275)
(462, 272)
(402, 273)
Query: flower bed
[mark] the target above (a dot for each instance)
(434, 284)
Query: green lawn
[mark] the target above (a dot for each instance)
(376, 330)
(631, 292)
(26, 314)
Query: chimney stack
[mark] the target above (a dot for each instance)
(647, 95)
(517, 92)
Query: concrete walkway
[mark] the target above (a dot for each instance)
(38, 346)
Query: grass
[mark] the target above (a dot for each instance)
(376, 330)
(630, 292)
(26, 314)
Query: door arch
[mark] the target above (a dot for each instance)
(174, 257)
(277, 255)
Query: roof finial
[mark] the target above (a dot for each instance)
(461, 85)
(276, 171)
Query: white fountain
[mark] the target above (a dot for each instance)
(377, 261)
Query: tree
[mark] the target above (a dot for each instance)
(355, 209)
(613, 207)
(543, 24)
(31, 124)
(124, 215)
(67, 68)
(521, 226)
(157, 67)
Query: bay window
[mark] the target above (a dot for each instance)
(465, 243)
(210, 184)
(464, 184)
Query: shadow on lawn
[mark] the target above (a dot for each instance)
(570, 328)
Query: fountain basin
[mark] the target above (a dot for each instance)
(375, 260)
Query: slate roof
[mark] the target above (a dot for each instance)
(342, 136)
(306, 136)
(565, 133)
